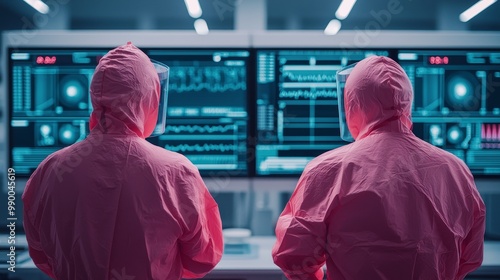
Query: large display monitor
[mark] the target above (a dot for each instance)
(297, 109)
(457, 103)
(49, 104)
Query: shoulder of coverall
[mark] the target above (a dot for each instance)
(329, 160)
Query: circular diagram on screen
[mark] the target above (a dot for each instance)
(73, 91)
(462, 92)
(455, 135)
(68, 134)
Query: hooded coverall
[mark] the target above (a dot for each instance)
(114, 206)
(389, 205)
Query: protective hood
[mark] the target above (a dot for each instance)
(125, 92)
(378, 96)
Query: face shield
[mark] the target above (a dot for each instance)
(342, 76)
(162, 70)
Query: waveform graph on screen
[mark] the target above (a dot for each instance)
(200, 130)
(204, 147)
(207, 111)
(307, 93)
(211, 79)
(209, 147)
(310, 73)
(208, 143)
(297, 107)
(308, 81)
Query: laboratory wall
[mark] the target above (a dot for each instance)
(254, 162)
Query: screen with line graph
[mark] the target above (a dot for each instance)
(457, 103)
(49, 102)
(297, 109)
(207, 112)
(207, 105)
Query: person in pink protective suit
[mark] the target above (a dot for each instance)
(389, 205)
(114, 206)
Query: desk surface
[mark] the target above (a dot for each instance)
(264, 259)
(259, 258)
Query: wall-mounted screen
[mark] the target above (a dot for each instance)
(207, 117)
(50, 105)
(457, 103)
(297, 109)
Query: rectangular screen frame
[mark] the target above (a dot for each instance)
(210, 174)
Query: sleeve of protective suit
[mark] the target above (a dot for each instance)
(35, 248)
(301, 235)
(32, 234)
(201, 246)
(472, 246)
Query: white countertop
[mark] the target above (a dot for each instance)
(259, 257)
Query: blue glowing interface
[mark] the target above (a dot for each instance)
(457, 103)
(207, 113)
(49, 102)
(207, 108)
(297, 109)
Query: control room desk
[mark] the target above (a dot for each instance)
(256, 265)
